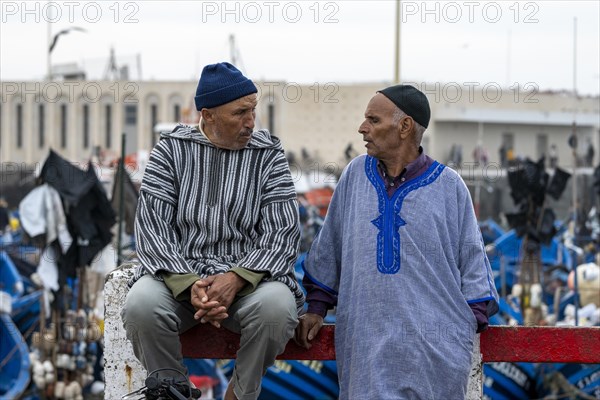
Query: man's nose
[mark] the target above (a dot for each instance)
(249, 122)
(362, 129)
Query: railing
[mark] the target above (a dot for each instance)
(498, 343)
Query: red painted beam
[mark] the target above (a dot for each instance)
(498, 343)
(206, 341)
(541, 344)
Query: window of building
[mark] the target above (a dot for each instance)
(271, 113)
(153, 121)
(130, 115)
(63, 126)
(177, 113)
(19, 112)
(108, 127)
(129, 128)
(508, 139)
(41, 126)
(542, 145)
(86, 126)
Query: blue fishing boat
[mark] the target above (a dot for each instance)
(569, 380)
(505, 381)
(505, 257)
(14, 352)
(297, 380)
(14, 358)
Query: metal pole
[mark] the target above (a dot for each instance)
(575, 55)
(48, 63)
(478, 179)
(121, 175)
(232, 49)
(397, 45)
(503, 277)
(557, 295)
(575, 287)
(508, 50)
(575, 205)
(574, 129)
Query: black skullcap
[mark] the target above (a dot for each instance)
(410, 100)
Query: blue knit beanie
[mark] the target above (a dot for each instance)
(220, 84)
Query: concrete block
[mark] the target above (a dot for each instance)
(475, 385)
(122, 372)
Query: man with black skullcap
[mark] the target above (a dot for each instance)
(217, 236)
(402, 257)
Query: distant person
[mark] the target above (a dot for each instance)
(502, 154)
(217, 237)
(455, 155)
(480, 155)
(553, 156)
(510, 156)
(589, 154)
(349, 152)
(401, 255)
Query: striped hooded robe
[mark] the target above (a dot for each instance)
(205, 210)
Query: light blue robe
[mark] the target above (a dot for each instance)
(405, 270)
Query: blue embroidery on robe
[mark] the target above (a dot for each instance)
(389, 221)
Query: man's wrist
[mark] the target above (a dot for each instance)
(317, 307)
(239, 281)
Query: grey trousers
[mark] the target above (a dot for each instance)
(266, 320)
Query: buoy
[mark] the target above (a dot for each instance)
(59, 390)
(536, 295)
(517, 290)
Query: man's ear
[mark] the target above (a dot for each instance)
(208, 115)
(406, 127)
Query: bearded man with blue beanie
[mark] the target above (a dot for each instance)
(217, 232)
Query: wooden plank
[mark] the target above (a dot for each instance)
(541, 344)
(206, 341)
(498, 343)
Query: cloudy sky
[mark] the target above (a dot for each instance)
(504, 42)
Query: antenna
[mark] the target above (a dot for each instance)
(508, 51)
(235, 55)
(139, 66)
(232, 50)
(112, 71)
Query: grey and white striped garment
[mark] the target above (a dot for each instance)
(204, 210)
